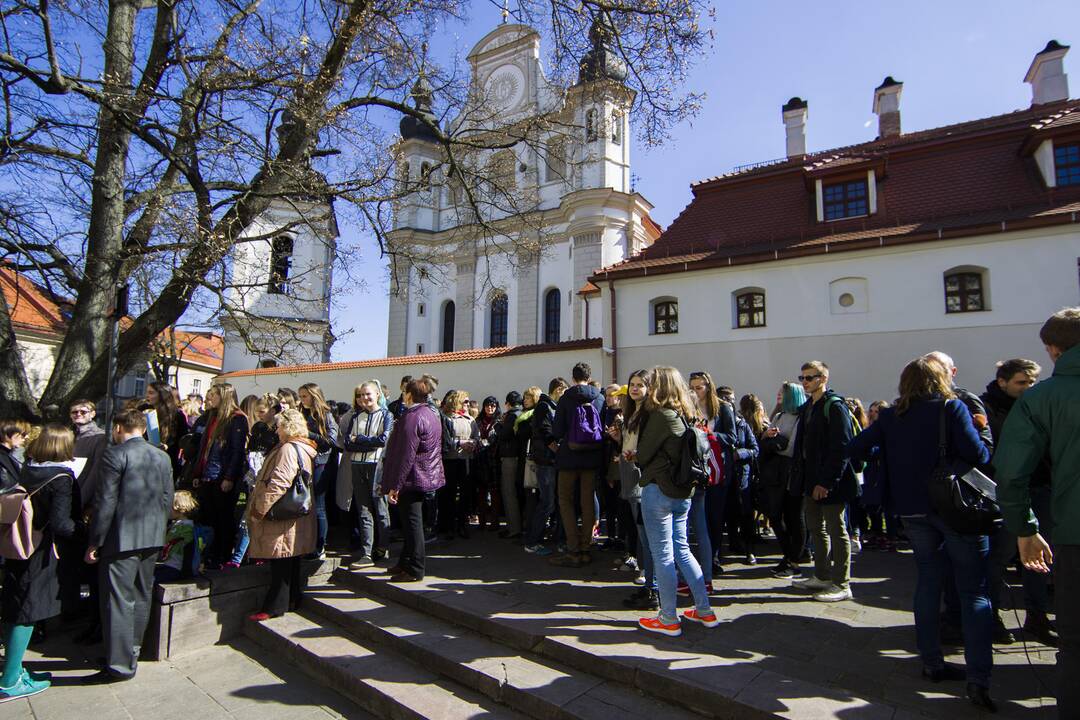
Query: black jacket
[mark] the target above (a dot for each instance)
(542, 418)
(9, 468)
(975, 407)
(819, 449)
(397, 407)
(998, 405)
(506, 440)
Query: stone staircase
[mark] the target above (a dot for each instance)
(406, 652)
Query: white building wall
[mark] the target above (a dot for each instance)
(1030, 276)
(490, 376)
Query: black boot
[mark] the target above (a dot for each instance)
(980, 697)
(1038, 626)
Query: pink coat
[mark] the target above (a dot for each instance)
(272, 539)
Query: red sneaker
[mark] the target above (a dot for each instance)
(654, 624)
(259, 617)
(708, 621)
(230, 565)
(683, 590)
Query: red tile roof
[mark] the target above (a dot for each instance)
(976, 176)
(34, 309)
(475, 354)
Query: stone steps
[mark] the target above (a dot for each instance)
(671, 671)
(522, 681)
(380, 681)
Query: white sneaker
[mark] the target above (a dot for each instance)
(811, 583)
(834, 593)
(639, 580)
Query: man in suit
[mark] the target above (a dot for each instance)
(132, 502)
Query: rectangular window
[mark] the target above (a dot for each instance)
(420, 348)
(845, 200)
(140, 383)
(1067, 164)
(666, 318)
(751, 310)
(964, 293)
(196, 385)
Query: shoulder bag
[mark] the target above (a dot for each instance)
(967, 503)
(296, 502)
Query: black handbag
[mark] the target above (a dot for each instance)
(296, 502)
(967, 503)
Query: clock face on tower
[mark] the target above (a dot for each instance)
(506, 87)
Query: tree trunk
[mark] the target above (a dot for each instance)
(87, 336)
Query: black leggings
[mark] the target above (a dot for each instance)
(286, 586)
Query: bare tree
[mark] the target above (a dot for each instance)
(143, 135)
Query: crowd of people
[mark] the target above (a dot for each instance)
(178, 486)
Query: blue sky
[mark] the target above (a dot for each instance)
(958, 61)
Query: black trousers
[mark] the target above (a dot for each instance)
(453, 498)
(219, 512)
(286, 586)
(1067, 587)
(126, 582)
(410, 508)
(786, 518)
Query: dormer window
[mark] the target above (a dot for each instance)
(1067, 164)
(845, 199)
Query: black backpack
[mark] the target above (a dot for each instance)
(692, 466)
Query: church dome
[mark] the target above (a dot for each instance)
(601, 62)
(412, 127)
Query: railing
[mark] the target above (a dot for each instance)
(756, 165)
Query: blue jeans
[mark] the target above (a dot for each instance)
(665, 524)
(933, 542)
(643, 550)
(319, 486)
(545, 504)
(700, 525)
(240, 546)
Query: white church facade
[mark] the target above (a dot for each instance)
(962, 239)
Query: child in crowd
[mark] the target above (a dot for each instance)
(179, 536)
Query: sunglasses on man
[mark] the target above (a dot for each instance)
(808, 378)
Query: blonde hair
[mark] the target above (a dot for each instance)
(251, 406)
(669, 390)
(184, 503)
(454, 401)
(533, 393)
(227, 406)
(293, 423)
(55, 443)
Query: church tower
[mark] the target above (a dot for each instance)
(277, 305)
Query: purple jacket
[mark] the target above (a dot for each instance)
(413, 457)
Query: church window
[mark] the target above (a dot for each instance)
(846, 199)
(616, 127)
(555, 161)
(425, 174)
(965, 292)
(448, 319)
(499, 318)
(1067, 164)
(552, 315)
(421, 310)
(281, 250)
(590, 125)
(750, 309)
(665, 316)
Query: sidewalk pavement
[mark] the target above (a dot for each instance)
(239, 681)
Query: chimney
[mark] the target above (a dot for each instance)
(887, 107)
(795, 112)
(1049, 83)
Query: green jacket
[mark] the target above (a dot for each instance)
(1045, 420)
(659, 445)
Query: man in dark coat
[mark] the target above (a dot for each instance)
(131, 507)
(828, 482)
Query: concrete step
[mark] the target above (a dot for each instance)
(379, 680)
(534, 685)
(677, 671)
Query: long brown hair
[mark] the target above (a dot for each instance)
(922, 379)
(226, 408)
(670, 391)
(251, 406)
(166, 409)
(711, 406)
(319, 408)
(631, 409)
(55, 443)
(753, 412)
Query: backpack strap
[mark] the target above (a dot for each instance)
(42, 485)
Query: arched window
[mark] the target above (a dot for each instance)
(965, 290)
(665, 316)
(750, 308)
(552, 315)
(499, 314)
(448, 313)
(281, 250)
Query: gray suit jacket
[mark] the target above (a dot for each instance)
(133, 498)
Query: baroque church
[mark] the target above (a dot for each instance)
(551, 203)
